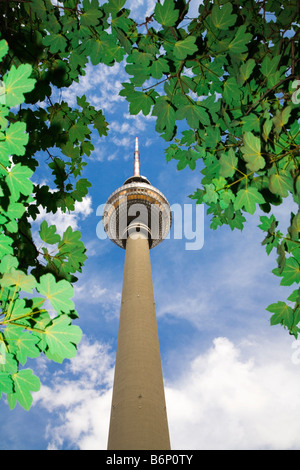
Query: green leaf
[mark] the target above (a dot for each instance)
(247, 199)
(228, 163)
(58, 293)
(18, 181)
(78, 132)
(100, 124)
(165, 113)
(48, 233)
(159, 67)
(210, 196)
(231, 91)
(185, 47)
(281, 183)
(267, 129)
(226, 197)
(222, 18)
(194, 114)
(5, 245)
(72, 248)
(269, 65)
(281, 118)
(252, 152)
(115, 5)
(15, 277)
(267, 223)
(6, 383)
(62, 337)
(16, 138)
(19, 310)
(239, 43)
(55, 42)
(165, 14)
(91, 17)
(24, 383)
(3, 48)
(283, 314)
(17, 82)
(26, 347)
(291, 272)
(139, 101)
(251, 123)
(7, 263)
(246, 70)
(295, 296)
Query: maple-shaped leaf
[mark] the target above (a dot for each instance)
(55, 42)
(91, 17)
(165, 14)
(281, 183)
(78, 132)
(61, 337)
(246, 70)
(185, 47)
(58, 293)
(16, 138)
(291, 272)
(247, 199)
(238, 45)
(231, 91)
(115, 6)
(3, 48)
(17, 82)
(26, 345)
(282, 314)
(194, 115)
(221, 17)
(100, 124)
(159, 67)
(139, 101)
(6, 383)
(165, 113)
(18, 313)
(18, 181)
(18, 278)
(24, 383)
(252, 152)
(48, 233)
(5, 245)
(228, 163)
(268, 223)
(7, 263)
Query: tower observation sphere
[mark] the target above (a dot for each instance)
(137, 206)
(137, 217)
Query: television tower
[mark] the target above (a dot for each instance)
(137, 217)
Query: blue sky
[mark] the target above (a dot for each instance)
(231, 380)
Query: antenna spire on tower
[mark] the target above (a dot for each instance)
(136, 158)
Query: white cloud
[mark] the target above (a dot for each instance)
(81, 397)
(64, 219)
(103, 293)
(101, 84)
(233, 402)
(233, 396)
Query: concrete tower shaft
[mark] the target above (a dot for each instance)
(138, 413)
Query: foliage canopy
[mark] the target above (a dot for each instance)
(224, 88)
